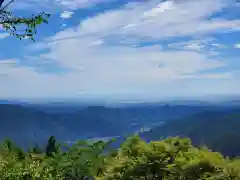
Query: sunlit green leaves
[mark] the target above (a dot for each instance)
(170, 159)
(21, 27)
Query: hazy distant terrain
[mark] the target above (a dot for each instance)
(29, 124)
(26, 124)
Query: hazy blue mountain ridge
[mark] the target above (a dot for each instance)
(26, 124)
(218, 130)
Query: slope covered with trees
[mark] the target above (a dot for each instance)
(25, 124)
(219, 130)
(169, 159)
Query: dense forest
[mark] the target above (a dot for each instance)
(169, 159)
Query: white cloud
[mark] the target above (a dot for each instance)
(195, 45)
(116, 70)
(66, 14)
(160, 8)
(237, 45)
(3, 35)
(98, 42)
(100, 64)
(202, 44)
(119, 76)
(54, 5)
(75, 4)
(221, 76)
(185, 18)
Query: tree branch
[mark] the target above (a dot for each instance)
(13, 25)
(1, 2)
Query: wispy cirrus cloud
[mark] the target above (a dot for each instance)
(182, 19)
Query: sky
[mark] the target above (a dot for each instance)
(124, 49)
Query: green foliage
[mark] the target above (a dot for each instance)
(52, 146)
(19, 26)
(37, 150)
(169, 159)
(173, 158)
(217, 130)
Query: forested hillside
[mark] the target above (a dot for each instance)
(25, 124)
(219, 130)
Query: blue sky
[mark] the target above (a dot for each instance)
(121, 49)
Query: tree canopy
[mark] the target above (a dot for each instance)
(170, 159)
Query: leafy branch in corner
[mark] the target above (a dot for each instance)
(19, 26)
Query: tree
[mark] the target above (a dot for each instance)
(52, 146)
(35, 149)
(19, 26)
(170, 159)
(82, 161)
(9, 145)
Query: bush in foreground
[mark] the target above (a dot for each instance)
(169, 159)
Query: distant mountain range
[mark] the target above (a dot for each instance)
(203, 101)
(28, 124)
